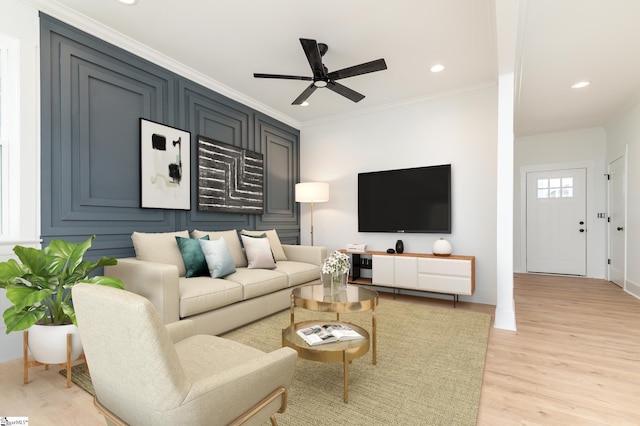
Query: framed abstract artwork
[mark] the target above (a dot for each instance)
(230, 179)
(165, 166)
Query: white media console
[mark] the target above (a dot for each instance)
(454, 275)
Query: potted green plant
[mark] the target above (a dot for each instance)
(39, 287)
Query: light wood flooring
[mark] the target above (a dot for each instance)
(574, 360)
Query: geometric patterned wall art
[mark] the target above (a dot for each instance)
(230, 179)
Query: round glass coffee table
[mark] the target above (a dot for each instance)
(316, 297)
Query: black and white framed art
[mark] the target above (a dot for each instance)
(230, 179)
(165, 166)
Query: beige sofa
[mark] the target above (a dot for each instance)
(216, 305)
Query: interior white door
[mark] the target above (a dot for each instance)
(556, 222)
(617, 200)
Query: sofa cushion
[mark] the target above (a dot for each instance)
(233, 243)
(194, 261)
(298, 272)
(256, 282)
(258, 251)
(218, 259)
(203, 294)
(276, 245)
(160, 247)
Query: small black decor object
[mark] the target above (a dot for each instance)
(399, 246)
(390, 251)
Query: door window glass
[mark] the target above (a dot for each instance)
(555, 187)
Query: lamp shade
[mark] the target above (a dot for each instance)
(312, 192)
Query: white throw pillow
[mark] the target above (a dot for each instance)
(274, 240)
(218, 257)
(258, 251)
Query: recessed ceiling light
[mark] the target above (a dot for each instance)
(305, 103)
(580, 85)
(437, 68)
(128, 2)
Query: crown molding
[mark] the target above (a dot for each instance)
(392, 105)
(108, 34)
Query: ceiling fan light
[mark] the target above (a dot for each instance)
(437, 68)
(320, 83)
(581, 84)
(128, 2)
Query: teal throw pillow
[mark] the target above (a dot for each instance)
(193, 257)
(218, 257)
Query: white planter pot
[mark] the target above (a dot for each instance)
(48, 343)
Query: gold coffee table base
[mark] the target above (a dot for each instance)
(344, 352)
(314, 297)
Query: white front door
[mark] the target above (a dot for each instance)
(556, 222)
(617, 200)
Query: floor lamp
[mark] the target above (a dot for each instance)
(312, 192)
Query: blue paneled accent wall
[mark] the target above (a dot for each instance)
(93, 94)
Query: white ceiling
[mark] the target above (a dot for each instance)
(560, 42)
(567, 41)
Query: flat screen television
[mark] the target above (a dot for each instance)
(405, 200)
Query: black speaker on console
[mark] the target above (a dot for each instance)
(399, 246)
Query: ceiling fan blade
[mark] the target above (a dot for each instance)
(367, 67)
(314, 57)
(286, 77)
(304, 95)
(345, 91)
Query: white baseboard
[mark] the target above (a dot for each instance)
(632, 288)
(505, 319)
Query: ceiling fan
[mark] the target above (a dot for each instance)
(321, 75)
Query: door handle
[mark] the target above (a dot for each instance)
(620, 228)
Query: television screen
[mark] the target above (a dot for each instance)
(405, 200)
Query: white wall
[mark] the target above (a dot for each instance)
(459, 129)
(585, 147)
(622, 134)
(19, 23)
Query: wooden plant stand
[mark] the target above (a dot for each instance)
(33, 363)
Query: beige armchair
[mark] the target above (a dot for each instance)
(146, 373)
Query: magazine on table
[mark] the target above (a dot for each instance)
(327, 333)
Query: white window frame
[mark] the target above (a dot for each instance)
(564, 188)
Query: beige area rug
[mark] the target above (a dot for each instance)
(429, 370)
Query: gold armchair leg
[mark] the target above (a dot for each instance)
(278, 393)
(109, 416)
